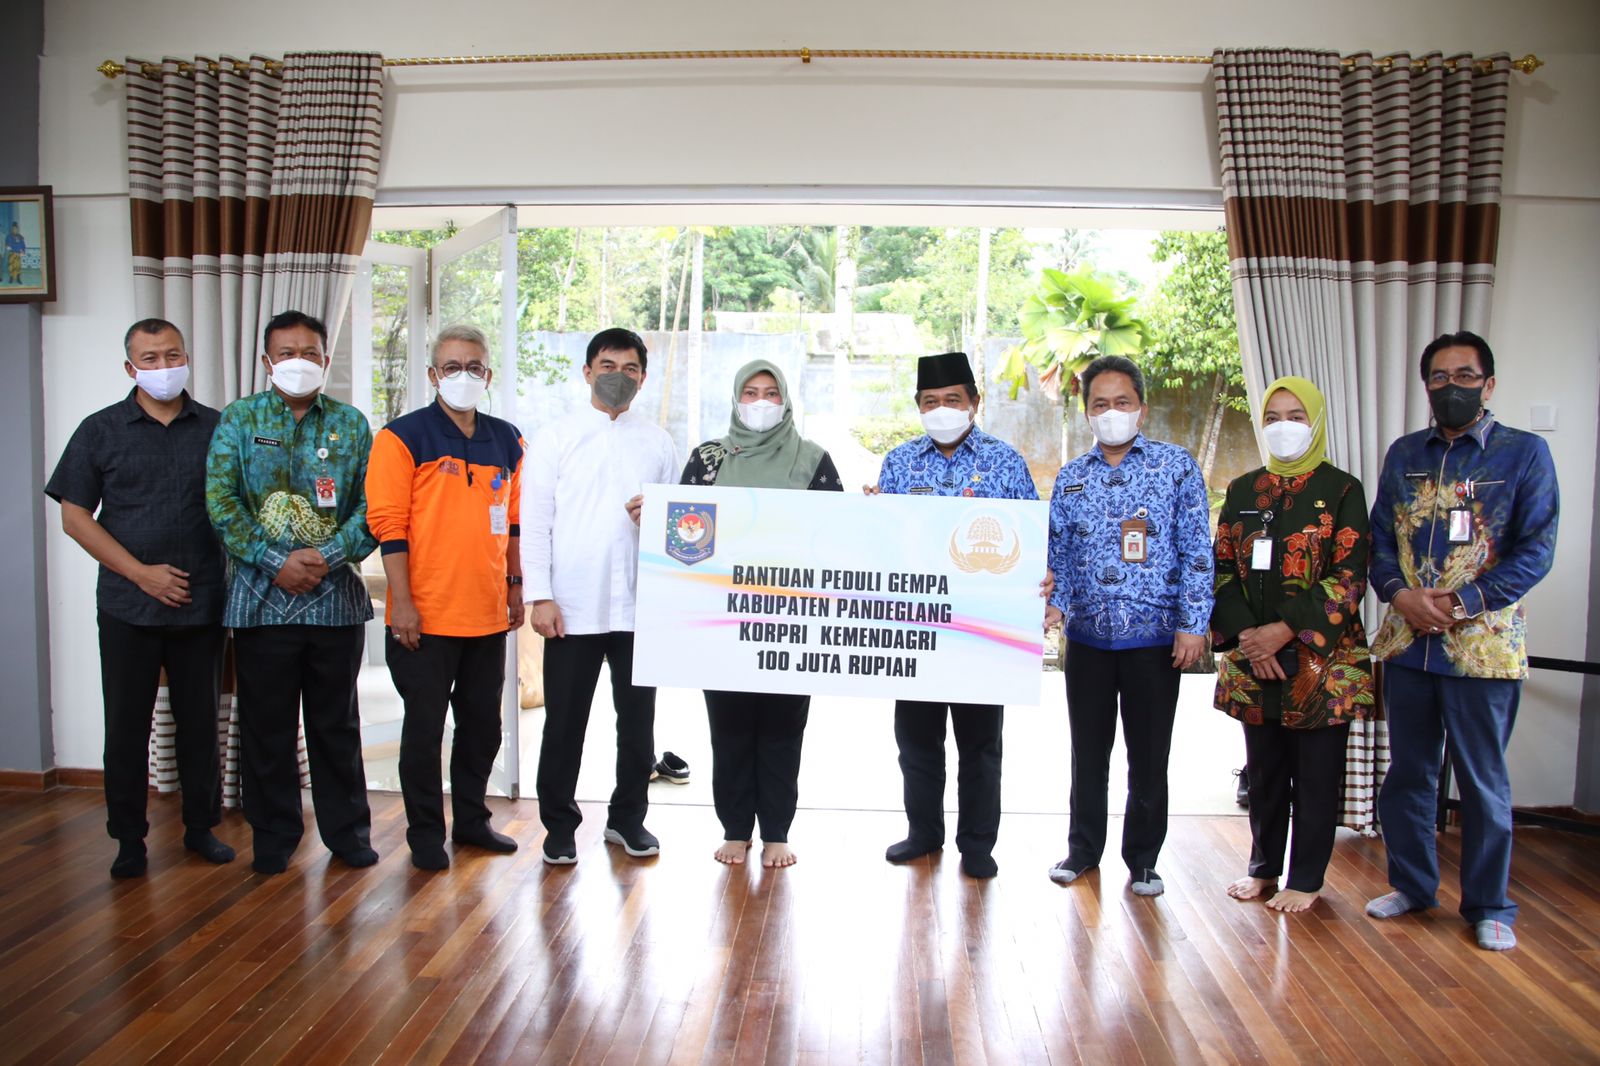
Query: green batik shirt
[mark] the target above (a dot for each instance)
(262, 478)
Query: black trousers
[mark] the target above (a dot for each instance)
(919, 732)
(466, 676)
(1302, 769)
(571, 671)
(1144, 683)
(131, 660)
(281, 670)
(755, 761)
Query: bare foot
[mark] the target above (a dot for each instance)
(1251, 888)
(732, 852)
(1292, 902)
(773, 855)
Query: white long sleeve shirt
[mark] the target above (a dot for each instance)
(579, 547)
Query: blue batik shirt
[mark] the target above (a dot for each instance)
(981, 465)
(1111, 604)
(1505, 481)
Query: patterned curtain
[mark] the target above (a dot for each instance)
(250, 189)
(1363, 212)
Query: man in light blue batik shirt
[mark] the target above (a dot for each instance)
(953, 458)
(1130, 547)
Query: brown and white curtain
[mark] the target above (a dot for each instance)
(250, 187)
(1362, 199)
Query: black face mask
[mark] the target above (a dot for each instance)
(1455, 407)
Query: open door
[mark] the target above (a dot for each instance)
(474, 280)
(402, 297)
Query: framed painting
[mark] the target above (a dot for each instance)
(28, 259)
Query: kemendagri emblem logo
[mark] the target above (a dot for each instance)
(985, 537)
(691, 531)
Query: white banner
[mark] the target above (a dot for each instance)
(896, 597)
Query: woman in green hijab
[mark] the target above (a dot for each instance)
(1291, 568)
(756, 736)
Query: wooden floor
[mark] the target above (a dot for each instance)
(841, 959)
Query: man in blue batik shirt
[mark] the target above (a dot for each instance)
(1130, 547)
(953, 458)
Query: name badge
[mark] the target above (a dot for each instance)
(919, 490)
(1261, 554)
(270, 442)
(1460, 525)
(1067, 490)
(1134, 541)
(327, 496)
(498, 526)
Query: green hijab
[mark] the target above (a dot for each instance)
(1311, 399)
(777, 459)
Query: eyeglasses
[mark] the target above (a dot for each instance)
(476, 371)
(1465, 378)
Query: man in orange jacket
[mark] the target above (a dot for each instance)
(443, 492)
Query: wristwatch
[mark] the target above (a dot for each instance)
(513, 580)
(1459, 611)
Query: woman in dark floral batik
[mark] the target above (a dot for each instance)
(1291, 568)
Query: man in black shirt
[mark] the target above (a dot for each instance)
(142, 463)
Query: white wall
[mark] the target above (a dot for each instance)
(883, 130)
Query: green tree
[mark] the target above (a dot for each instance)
(1195, 338)
(887, 254)
(942, 294)
(1067, 321)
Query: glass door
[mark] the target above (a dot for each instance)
(474, 281)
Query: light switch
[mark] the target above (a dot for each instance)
(1542, 418)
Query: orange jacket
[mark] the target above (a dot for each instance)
(429, 493)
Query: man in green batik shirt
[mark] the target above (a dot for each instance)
(285, 489)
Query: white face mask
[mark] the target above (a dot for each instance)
(1287, 441)
(1115, 427)
(463, 391)
(298, 377)
(761, 415)
(946, 425)
(163, 384)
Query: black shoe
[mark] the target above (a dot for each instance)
(429, 857)
(909, 849)
(670, 768)
(560, 851)
(205, 844)
(979, 866)
(638, 842)
(358, 856)
(1241, 788)
(486, 838)
(269, 863)
(131, 859)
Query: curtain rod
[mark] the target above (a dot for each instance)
(111, 68)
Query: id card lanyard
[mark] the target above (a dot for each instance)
(498, 526)
(1135, 537)
(1460, 516)
(326, 491)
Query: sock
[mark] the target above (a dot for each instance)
(204, 843)
(486, 838)
(269, 864)
(428, 857)
(131, 861)
(358, 856)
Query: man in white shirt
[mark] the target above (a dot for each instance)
(582, 481)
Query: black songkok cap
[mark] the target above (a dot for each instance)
(943, 371)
